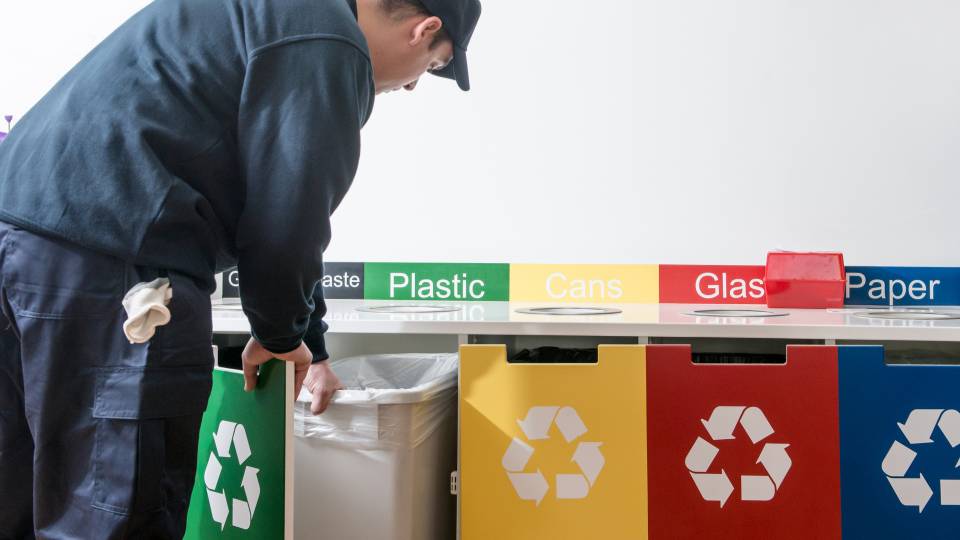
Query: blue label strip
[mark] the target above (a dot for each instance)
(902, 286)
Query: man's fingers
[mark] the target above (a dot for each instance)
(253, 356)
(297, 386)
(298, 378)
(323, 384)
(328, 397)
(316, 404)
(321, 400)
(249, 376)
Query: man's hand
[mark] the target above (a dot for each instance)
(322, 383)
(254, 355)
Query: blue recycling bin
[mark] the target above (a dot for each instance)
(899, 447)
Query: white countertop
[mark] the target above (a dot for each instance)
(641, 320)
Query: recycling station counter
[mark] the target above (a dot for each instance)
(846, 427)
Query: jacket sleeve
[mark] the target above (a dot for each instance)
(302, 107)
(317, 329)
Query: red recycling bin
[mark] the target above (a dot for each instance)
(743, 451)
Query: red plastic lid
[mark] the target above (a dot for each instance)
(805, 266)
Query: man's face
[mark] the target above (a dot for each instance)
(408, 53)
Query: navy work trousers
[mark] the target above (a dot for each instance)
(98, 437)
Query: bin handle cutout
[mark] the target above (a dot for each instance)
(505, 358)
(786, 358)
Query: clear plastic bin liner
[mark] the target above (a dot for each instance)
(389, 400)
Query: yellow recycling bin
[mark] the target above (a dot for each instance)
(553, 451)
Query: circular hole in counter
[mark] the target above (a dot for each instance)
(573, 310)
(861, 309)
(415, 308)
(750, 313)
(909, 315)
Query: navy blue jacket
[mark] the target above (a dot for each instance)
(200, 135)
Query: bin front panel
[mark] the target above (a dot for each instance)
(743, 451)
(553, 451)
(900, 447)
(239, 492)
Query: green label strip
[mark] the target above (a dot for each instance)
(437, 281)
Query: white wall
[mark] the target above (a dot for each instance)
(40, 40)
(642, 131)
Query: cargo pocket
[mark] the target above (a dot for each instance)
(133, 408)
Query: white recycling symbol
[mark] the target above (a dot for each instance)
(533, 486)
(227, 434)
(918, 429)
(773, 456)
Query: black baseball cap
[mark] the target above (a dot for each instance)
(460, 19)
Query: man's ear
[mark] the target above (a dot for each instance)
(425, 30)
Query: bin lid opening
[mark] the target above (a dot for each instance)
(409, 308)
(910, 315)
(753, 313)
(569, 310)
